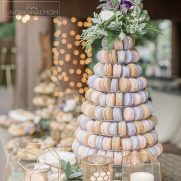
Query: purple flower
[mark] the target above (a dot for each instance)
(126, 4)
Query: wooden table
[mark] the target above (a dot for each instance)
(4, 137)
(170, 163)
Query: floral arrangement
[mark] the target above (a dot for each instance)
(117, 19)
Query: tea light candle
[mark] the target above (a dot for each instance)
(141, 176)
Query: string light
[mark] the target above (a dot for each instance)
(73, 19)
(77, 37)
(64, 35)
(78, 57)
(77, 43)
(64, 22)
(71, 84)
(64, 41)
(69, 45)
(79, 84)
(72, 33)
(62, 51)
(75, 62)
(80, 24)
(76, 52)
(78, 71)
(71, 71)
(61, 62)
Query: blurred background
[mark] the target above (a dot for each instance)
(44, 69)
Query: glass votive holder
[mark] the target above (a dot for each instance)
(138, 170)
(97, 168)
(36, 172)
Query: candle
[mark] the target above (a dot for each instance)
(141, 176)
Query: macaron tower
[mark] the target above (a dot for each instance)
(117, 119)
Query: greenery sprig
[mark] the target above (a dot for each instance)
(117, 19)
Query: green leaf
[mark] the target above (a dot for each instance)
(75, 175)
(96, 21)
(63, 164)
(68, 170)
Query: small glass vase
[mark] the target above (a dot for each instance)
(97, 168)
(137, 170)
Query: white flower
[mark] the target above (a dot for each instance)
(106, 15)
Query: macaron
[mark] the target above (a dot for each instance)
(134, 143)
(125, 71)
(103, 56)
(106, 84)
(117, 70)
(126, 157)
(118, 158)
(89, 126)
(135, 158)
(138, 113)
(136, 55)
(128, 42)
(98, 84)
(145, 157)
(139, 127)
(114, 85)
(92, 151)
(99, 141)
(83, 122)
(118, 45)
(121, 56)
(91, 80)
(146, 111)
(108, 70)
(110, 154)
(117, 114)
(154, 119)
(126, 144)
(143, 96)
(95, 97)
(119, 99)
(110, 100)
(75, 146)
(92, 141)
(142, 141)
(107, 143)
(116, 143)
(108, 113)
(97, 127)
(114, 56)
(113, 129)
(110, 57)
(133, 85)
(102, 99)
(88, 94)
(131, 129)
(105, 128)
(144, 81)
(133, 70)
(124, 85)
(129, 56)
(128, 99)
(128, 114)
(122, 129)
(99, 69)
(137, 99)
(98, 113)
